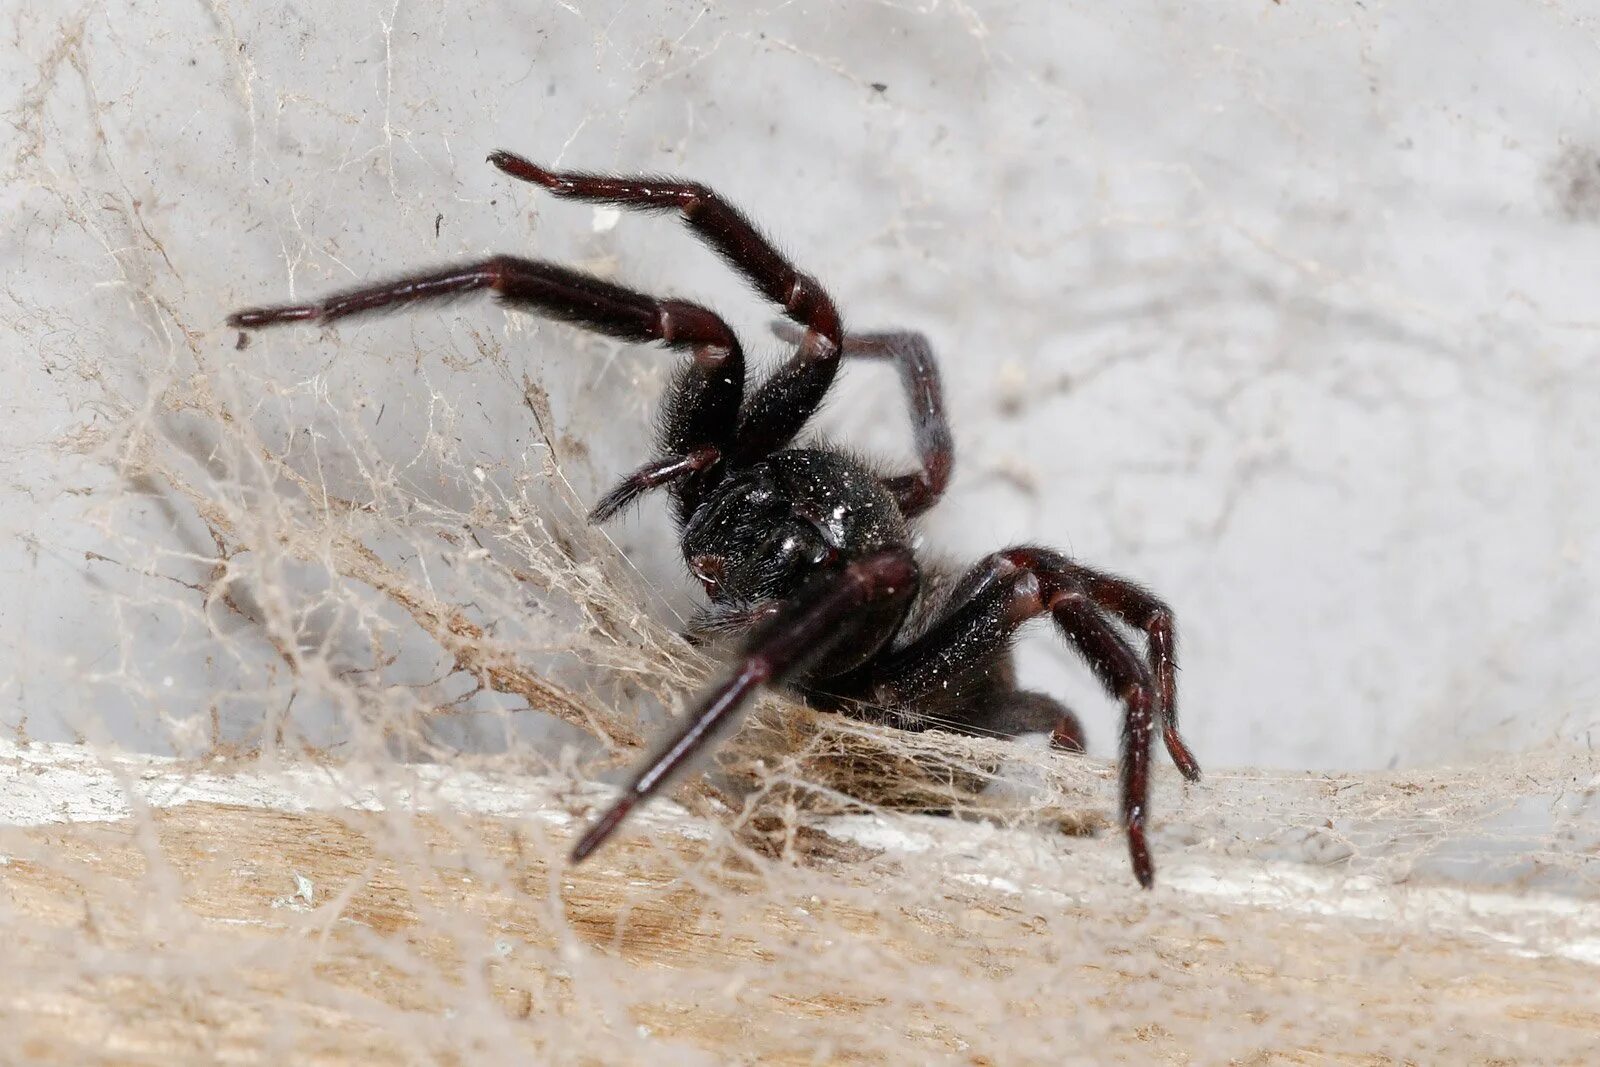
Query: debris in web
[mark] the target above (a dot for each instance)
(320, 670)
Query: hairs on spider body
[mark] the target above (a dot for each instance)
(806, 551)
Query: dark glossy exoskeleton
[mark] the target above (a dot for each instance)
(805, 553)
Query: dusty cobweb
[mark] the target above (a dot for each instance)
(318, 668)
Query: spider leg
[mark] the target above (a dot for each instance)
(784, 402)
(919, 376)
(702, 406)
(1023, 711)
(827, 612)
(990, 603)
(658, 473)
(1126, 677)
(1146, 612)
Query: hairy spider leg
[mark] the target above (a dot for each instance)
(913, 358)
(782, 404)
(1134, 605)
(827, 612)
(997, 596)
(671, 470)
(1024, 711)
(1126, 677)
(1144, 611)
(702, 405)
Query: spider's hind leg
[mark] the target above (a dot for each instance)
(945, 667)
(1022, 711)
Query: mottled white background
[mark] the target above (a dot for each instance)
(1292, 311)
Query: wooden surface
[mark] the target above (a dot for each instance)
(242, 933)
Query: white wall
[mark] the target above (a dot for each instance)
(1288, 310)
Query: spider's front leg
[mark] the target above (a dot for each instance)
(912, 358)
(783, 403)
(827, 612)
(990, 603)
(701, 414)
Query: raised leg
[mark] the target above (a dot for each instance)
(827, 612)
(913, 357)
(702, 407)
(995, 598)
(782, 404)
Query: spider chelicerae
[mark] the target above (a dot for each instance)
(806, 552)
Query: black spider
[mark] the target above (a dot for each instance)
(808, 550)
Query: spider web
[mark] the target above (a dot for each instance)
(314, 669)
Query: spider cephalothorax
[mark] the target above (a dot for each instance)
(757, 535)
(806, 552)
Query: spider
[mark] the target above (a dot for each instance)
(806, 552)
